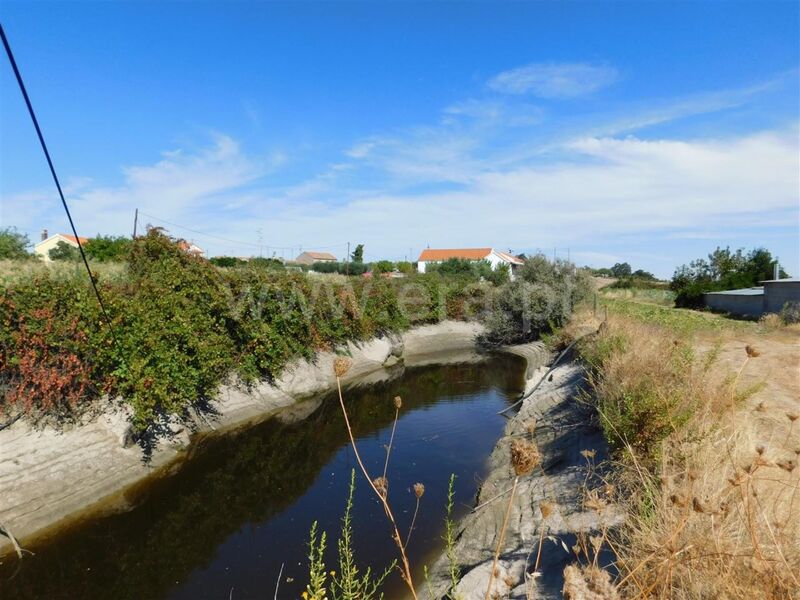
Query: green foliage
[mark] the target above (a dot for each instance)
(13, 244)
(108, 248)
(358, 254)
(226, 261)
(64, 251)
(499, 275)
(601, 272)
(173, 327)
(596, 350)
(461, 267)
(353, 268)
(382, 266)
(643, 275)
(259, 262)
(641, 404)
(678, 320)
(181, 326)
(473, 270)
(317, 576)
(621, 270)
(406, 267)
(637, 282)
(453, 568)
(348, 583)
(722, 270)
(541, 298)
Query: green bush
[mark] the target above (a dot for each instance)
(226, 261)
(352, 268)
(382, 266)
(542, 297)
(180, 326)
(108, 248)
(406, 267)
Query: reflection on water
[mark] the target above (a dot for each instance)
(242, 506)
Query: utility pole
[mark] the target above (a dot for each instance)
(135, 222)
(347, 261)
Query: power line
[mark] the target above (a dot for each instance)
(32, 114)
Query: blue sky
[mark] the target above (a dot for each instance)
(649, 132)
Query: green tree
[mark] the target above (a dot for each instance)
(13, 244)
(358, 254)
(64, 251)
(106, 248)
(621, 270)
(723, 269)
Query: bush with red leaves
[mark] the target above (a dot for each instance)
(40, 375)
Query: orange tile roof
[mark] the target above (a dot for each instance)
(443, 254)
(73, 239)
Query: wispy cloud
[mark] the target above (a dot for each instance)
(554, 80)
(474, 177)
(179, 184)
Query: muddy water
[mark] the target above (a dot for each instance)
(242, 505)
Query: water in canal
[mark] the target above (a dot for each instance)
(242, 505)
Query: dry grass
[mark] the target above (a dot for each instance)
(16, 270)
(708, 467)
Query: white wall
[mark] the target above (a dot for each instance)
(492, 258)
(43, 248)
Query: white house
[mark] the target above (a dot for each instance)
(47, 243)
(492, 256)
(191, 248)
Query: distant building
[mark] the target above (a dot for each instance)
(191, 248)
(755, 301)
(309, 258)
(494, 257)
(49, 242)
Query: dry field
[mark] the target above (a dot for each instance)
(708, 475)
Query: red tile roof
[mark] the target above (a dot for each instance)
(73, 239)
(443, 254)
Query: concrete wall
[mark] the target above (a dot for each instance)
(778, 293)
(745, 305)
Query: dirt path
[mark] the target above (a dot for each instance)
(776, 370)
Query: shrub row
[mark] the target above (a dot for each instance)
(179, 326)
